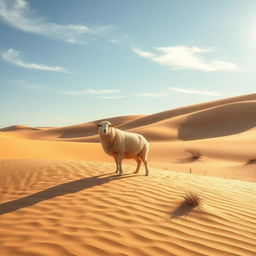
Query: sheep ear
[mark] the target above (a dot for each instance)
(98, 125)
(111, 125)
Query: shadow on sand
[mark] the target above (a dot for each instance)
(218, 121)
(182, 210)
(59, 190)
(187, 160)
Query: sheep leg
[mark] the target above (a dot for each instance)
(117, 168)
(138, 160)
(146, 166)
(144, 157)
(119, 164)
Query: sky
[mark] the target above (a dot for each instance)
(68, 62)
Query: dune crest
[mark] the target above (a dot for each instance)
(201, 121)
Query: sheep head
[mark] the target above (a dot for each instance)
(104, 127)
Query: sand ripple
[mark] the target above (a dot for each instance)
(81, 208)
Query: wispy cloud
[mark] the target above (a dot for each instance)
(17, 13)
(186, 57)
(117, 94)
(192, 91)
(92, 92)
(13, 57)
(167, 92)
(106, 94)
(111, 97)
(152, 94)
(114, 41)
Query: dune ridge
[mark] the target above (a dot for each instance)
(210, 119)
(18, 128)
(185, 110)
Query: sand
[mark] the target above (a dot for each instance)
(59, 194)
(81, 208)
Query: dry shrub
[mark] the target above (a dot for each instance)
(195, 154)
(192, 199)
(251, 161)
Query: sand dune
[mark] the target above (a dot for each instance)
(81, 208)
(223, 132)
(19, 148)
(147, 120)
(18, 128)
(200, 121)
(220, 121)
(73, 131)
(59, 195)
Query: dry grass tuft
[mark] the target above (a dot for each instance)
(251, 161)
(195, 154)
(192, 199)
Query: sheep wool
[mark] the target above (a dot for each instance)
(123, 145)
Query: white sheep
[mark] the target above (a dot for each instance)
(121, 144)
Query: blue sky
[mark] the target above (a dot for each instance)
(65, 62)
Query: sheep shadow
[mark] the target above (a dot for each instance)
(59, 190)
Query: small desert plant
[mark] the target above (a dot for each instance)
(195, 154)
(251, 161)
(192, 199)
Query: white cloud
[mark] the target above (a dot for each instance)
(186, 57)
(191, 91)
(111, 97)
(144, 54)
(13, 57)
(152, 94)
(168, 91)
(114, 41)
(92, 92)
(99, 94)
(117, 94)
(18, 14)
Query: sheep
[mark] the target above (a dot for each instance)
(121, 144)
